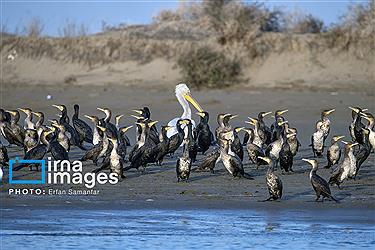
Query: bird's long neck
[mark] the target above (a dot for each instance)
(185, 106)
(28, 122)
(108, 116)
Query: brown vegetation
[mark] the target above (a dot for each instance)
(196, 34)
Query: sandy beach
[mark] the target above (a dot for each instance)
(158, 187)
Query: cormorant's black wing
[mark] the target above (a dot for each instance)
(320, 183)
(36, 153)
(83, 129)
(58, 152)
(209, 160)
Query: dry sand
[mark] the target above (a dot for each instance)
(158, 186)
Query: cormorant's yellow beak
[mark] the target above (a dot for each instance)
(89, 117)
(61, 108)
(267, 113)
(307, 160)
(190, 99)
(282, 111)
(101, 109)
(330, 111)
(266, 159)
(22, 109)
(185, 121)
(167, 128)
(140, 124)
(150, 124)
(239, 129)
(282, 123)
(138, 111)
(339, 137)
(250, 122)
(37, 114)
(126, 128)
(255, 121)
(354, 109)
(101, 128)
(137, 117)
(364, 110)
(201, 114)
(11, 112)
(232, 117)
(353, 144)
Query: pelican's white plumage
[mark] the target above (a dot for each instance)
(184, 97)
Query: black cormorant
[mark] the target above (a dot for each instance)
(83, 129)
(204, 136)
(319, 185)
(274, 184)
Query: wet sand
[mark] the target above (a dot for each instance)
(158, 187)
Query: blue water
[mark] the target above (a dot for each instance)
(186, 229)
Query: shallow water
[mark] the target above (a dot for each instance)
(187, 229)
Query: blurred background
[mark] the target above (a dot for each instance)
(215, 44)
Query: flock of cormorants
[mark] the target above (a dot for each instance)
(274, 146)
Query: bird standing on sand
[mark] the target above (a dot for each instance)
(370, 126)
(324, 123)
(274, 183)
(183, 164)
(163, 146)
(356, 126)
(99, 150)
(317, 142)
(364, 150)
(184, 98)
(231, 161)
(237, 147)
(144, 151)
(253, 151)
(334, 151)
(319, 185)
(13, 132)
(203, 132)
(83, 129)
(347, 168)
(273, 150)
(176, 139)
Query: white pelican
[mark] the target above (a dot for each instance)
(183, 96)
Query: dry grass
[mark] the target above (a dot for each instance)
(225, 28)
(204, 67)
